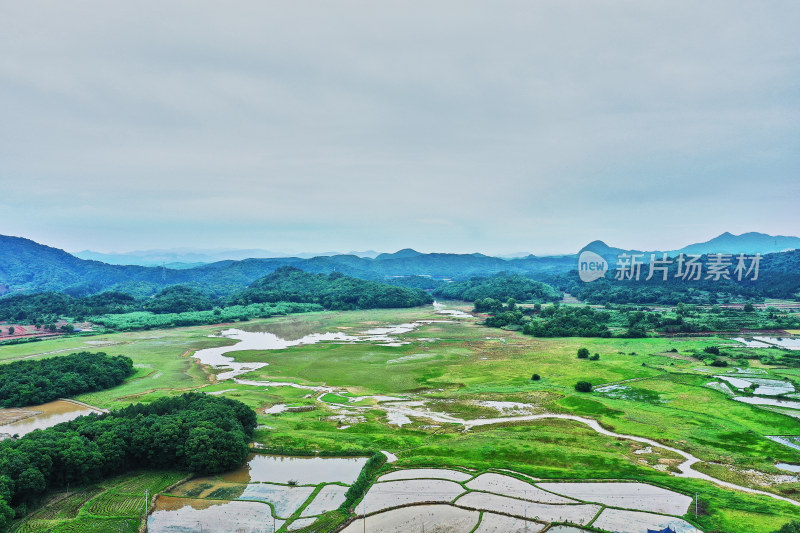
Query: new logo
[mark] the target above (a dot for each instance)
(591, 266)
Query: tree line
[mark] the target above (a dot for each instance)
(194, 432)
(32, 382)
(192, 306)
(332, 291)
(502, 287)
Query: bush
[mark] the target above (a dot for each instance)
(791, 527)
(719, 363)
(595, 357)
(536, 377)
(583, 386)
(364, 480)
(583, 353)
(713, 350)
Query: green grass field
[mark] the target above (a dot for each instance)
(453, 365)
(114, 505)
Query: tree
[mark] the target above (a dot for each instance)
(583, 353)
(583, 386)
(11, 330)
(6, 515)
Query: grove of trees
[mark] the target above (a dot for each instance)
(194, 432)
(36, 381)
(500, 287)
(332, 291)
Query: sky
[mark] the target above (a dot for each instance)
(451, 126)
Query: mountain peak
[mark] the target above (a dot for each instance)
(405, 252)
(746, 243)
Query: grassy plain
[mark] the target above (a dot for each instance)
(454, 365)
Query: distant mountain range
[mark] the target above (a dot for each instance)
(31, 267)
(191, 257)
(746, 243)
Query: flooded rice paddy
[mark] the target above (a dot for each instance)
(637, 522)
(185, 515)
(789, 343)
(263, 494)
(639, 496)
(509, 503)
(431, 518)
(772, 402)
(429, 473)
(303, 470)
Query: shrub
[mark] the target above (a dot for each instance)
(719, 362)
(713, 350)
(595, 357)
(536, 377)
(791, 527)
(583, 353)
(583, 386)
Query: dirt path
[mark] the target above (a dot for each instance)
(685, 467)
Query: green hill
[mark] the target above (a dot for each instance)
(332, 291)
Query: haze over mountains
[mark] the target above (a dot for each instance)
(189, 257)
(748, 243)
(30, 267)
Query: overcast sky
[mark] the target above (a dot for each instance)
(461, 126)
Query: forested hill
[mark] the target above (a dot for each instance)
(26, 266)
(332, 291)
(500, 287)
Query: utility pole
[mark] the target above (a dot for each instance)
(695, 505)
(525, 498)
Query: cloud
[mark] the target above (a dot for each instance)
(516, 125)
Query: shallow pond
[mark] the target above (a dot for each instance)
(788, 467)
(455, 313)
(790, 441)
(51, 413)
(774, 402)
(790, 343)
(304, 470)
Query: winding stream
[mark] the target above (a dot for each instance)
(400, 411)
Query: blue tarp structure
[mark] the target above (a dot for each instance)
(668, 530)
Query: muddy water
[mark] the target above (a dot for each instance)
(52, 413)
(304, 470)
(185, 515)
